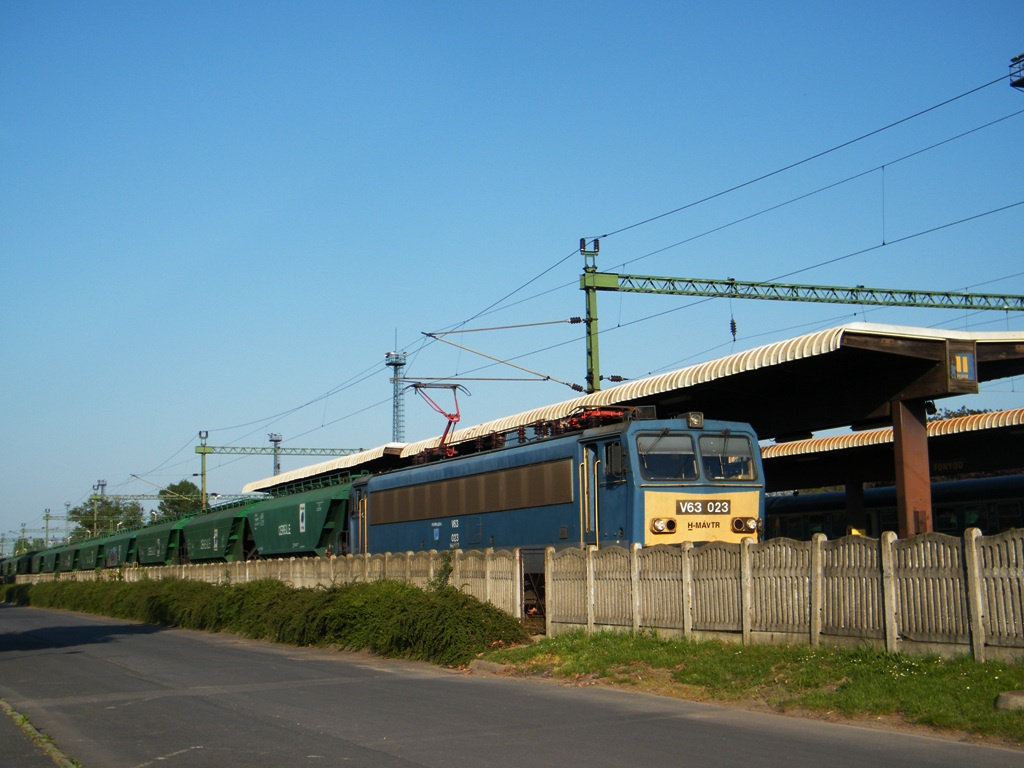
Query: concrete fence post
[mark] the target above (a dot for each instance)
(634, 584)
(817, 588)
(550, 599)
(975, 593)
(517, 583)
(488, 568)
(746, 588)
(591, 550)
(686, 566)
(889, 609)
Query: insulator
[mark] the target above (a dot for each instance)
(732, 327)
(597, 245)
(575, 320)
(583, 245)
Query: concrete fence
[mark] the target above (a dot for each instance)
(490, 576)
(929, 594)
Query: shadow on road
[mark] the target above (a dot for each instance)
(44, 638)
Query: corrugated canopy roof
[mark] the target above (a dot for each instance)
(836, 377)
(954, 426)
(352, 463)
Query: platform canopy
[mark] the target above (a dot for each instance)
(860, 375)
(844, 376)
(979, 444)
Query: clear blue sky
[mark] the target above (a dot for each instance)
(212, 214)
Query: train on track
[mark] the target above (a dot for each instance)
(991, 504)
(599, 477)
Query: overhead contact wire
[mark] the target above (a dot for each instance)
(804, 161)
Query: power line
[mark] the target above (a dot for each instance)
(771, 208)
(820, 190)
(797, 164)
(372, 370)
(903, 239)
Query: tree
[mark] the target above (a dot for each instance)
(25, 544)
(177, 499)
(103, 515)
(953, 413)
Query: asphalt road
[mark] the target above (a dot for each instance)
(114, 694)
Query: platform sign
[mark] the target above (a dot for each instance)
(961, 368)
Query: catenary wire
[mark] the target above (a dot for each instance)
(372, 370)
(804, 161)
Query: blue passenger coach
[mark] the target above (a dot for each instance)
(656, 481)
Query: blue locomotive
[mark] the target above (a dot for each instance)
(634, 480)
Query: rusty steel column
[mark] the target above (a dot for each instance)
(913, 478)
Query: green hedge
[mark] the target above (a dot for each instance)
(443, 626)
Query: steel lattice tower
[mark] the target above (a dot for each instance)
(396, 361)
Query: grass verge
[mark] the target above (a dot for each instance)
(862, 684)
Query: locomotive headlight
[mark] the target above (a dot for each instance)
(745, 525)
(663, 525)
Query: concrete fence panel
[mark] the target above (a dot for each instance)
(613, 604)
(716, 579)
(566, 603)
(1000, 587)
(781, 587)
(931, 589)
(469, 571)
(505, 581)
(851, 591)
(419, 568)
(661, 588)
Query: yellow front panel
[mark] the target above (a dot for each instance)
(696, 516)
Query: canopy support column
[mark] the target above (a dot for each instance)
(913, 476)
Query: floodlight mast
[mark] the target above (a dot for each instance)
(276, 438)
(1017, 71)
(396, 361)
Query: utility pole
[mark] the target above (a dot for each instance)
(202, 449)
(46, 517)
(591, 282)
(101, 486)
(1017, 71)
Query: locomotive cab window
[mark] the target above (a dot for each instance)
(727, 457)
(666, 456)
